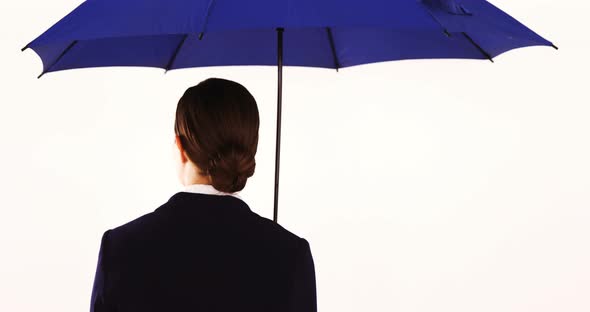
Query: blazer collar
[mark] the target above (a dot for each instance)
(206, 203)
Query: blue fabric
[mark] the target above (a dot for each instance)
(165, 33)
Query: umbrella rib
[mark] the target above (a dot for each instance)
(445, 31)
(486, 54)
(206, 19)
(58, 58)
(448, 34)
(173, 58)
(333, 47)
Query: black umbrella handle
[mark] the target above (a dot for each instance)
(279, 107)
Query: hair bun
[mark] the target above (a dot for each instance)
(231, 167)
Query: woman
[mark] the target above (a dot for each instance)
(204, 249)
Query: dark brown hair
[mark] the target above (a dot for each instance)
(217, 122)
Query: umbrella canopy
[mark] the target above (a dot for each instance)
(328, 33)
(173, 34)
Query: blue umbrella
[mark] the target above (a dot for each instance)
(317, 33)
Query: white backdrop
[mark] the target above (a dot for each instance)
(449, 185)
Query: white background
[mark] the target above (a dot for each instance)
(432, 185)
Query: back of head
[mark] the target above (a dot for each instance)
(217, 122)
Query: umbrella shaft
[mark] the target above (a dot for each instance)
(279, 106)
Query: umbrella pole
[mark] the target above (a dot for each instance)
(279, 106)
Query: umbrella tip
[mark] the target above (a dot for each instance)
(43, 73)
(554, 46)
(26, 47)
(200, 36)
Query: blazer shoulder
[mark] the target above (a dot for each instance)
(274, 229)
(141, 226)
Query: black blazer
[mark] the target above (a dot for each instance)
(203, 253)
